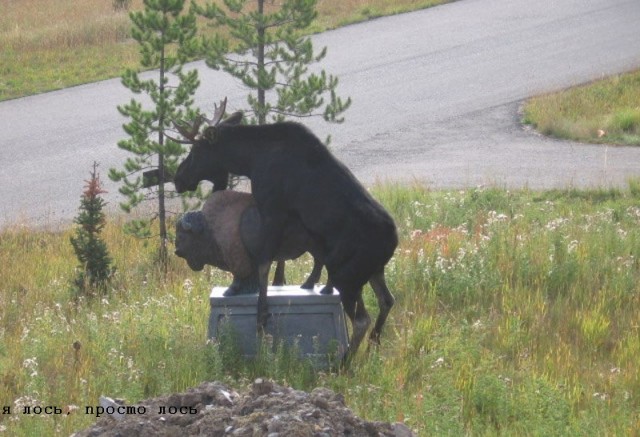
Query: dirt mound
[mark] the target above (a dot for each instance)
(264, 409)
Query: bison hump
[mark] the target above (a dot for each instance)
(223, 211)
(250, 230)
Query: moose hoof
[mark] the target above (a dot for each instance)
(241, 286)
(239, 291)
(307, 286)
(326, 290)
(231, 291)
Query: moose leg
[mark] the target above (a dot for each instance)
(248, 285)
(314, 276)
(278, 276)
(385, 302)
(272, 226)
(328, 288)
(316, 272)
(263, 307)
(360, 320)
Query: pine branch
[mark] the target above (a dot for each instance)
(294, 114)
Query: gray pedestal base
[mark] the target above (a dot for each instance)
(315, 322)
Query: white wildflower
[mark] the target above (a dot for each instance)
(572, 246)
(25, 333)
(494, 217)
(556, 223)
(188, 285)
(634, 211)
(438, 363)
(601, 396)
(415, 234)
(31, 364)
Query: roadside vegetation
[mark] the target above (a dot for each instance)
(516, 315)
(516, 311)
(48, 45)
(606, 111)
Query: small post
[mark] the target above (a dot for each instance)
(151, 178)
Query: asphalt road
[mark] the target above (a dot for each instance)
(435, 99)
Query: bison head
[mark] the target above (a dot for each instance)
(201, 164)
(192, 240)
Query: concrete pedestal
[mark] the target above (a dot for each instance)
(315, 322)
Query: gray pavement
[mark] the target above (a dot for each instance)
(436, 96)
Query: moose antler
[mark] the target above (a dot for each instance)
(218, 113)
(190, 131)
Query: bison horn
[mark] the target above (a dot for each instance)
(193, 222)
(185, 223)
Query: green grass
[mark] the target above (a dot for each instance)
(516, 314)
(607, 111)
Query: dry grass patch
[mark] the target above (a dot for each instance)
(40, 25)
(47, 45)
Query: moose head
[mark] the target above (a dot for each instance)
(200, 164)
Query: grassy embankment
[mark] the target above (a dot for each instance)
(516, 315)
(47, 45)
(607, 111)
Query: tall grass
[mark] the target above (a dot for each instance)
(40, 26)
(516, 314)
(607, 111)
(47, 45)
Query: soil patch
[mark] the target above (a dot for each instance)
(263, 409)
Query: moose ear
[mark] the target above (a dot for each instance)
(234, 119)
(211, 134)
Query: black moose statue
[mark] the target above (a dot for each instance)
(293, 173)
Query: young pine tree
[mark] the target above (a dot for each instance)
(167, 38)
(272, 58)
(95, 263)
